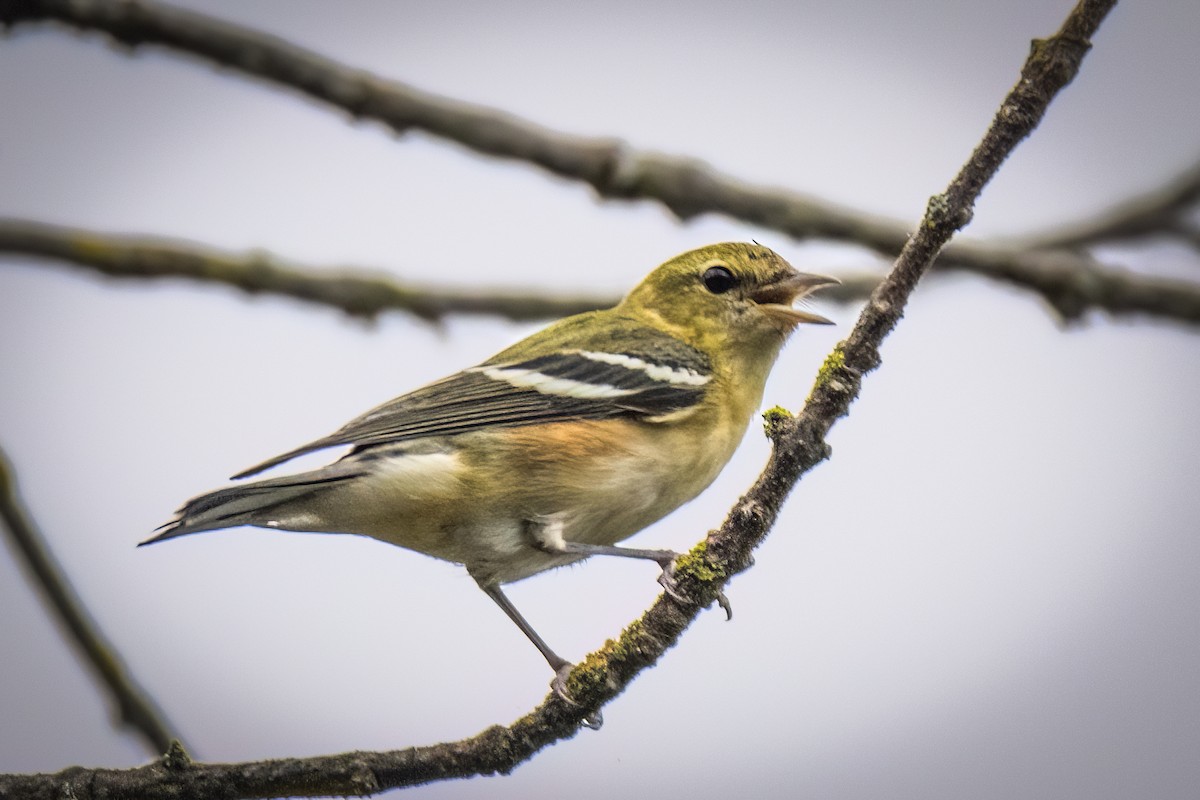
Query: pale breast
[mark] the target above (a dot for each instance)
(474, 502)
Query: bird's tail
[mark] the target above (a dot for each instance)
(271, 503)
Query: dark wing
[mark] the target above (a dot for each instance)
(653, 378)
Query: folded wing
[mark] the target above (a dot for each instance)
(649, 377)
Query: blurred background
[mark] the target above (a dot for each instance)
(989, 591)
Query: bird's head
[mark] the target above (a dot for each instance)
(725, 296)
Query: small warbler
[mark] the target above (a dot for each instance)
(559, 447)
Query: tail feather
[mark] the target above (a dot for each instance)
(251, 504)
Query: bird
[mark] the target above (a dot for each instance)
(557, 448)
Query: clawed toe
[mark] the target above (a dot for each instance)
(667, 581)
(723, 602)
(559, 685)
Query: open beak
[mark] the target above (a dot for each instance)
(776, 298)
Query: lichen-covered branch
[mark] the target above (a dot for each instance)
(135, 709)
(688, 187)
(799, 444)
(357, 292)
(800, 441)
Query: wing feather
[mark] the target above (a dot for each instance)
(653, 379)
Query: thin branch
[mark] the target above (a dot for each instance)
(1160, 212)
(1074, 283)
(686, 186)
(1071, 282)
(135, 709)
(357, 292)
(799, 444)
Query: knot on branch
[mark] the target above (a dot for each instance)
(942, 214)
(176, 759)
(1056, 60)
(835, 379)
(776, 422)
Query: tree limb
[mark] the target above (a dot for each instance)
(1071, 281)
(1074, 283)
(357, 292)
(1161, 212)
(135, 709)
(799, 444)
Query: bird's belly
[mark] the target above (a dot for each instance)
(479, 506)
(598, 489)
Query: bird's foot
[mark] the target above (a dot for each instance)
(667, 581)
(559, 685)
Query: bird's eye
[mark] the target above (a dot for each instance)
(718, 280)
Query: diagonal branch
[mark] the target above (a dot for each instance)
(357, 292)
(799, 446)
(136, 710)
(1072, 282)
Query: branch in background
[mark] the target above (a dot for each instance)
(358, 293)
(135, 708)
(1162, 212)
(1072, 282)
(799, 445)
(688, 187)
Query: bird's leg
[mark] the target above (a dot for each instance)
(548, 536)
(562, 668)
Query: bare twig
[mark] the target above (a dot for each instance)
(686, 186)
(799, 444)
(1161, 212)
(359, 292)
(135, 709)
(1072, 282)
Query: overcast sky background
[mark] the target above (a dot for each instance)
(990, 591)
